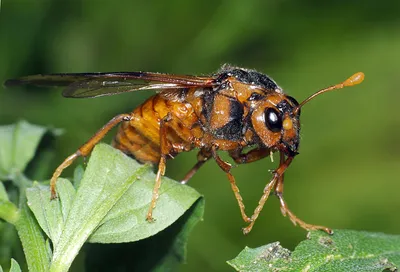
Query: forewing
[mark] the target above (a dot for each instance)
(96, 88)
(80, 85)
(51, 80)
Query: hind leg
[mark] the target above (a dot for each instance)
(85, 149)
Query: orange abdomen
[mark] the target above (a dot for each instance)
(140, 137)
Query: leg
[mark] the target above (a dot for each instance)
(226, 167)
(202, 157)
(85, 149)
(285, 209)
(165, 147)
(251, 156)
(267, 190)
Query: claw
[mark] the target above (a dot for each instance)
(150, 219)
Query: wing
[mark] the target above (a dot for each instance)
(81, 85)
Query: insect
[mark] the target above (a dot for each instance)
(229, 111)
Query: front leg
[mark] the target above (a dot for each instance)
(278, 173)
(286, 211)
(253, 155)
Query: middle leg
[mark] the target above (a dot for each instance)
(165, 148)
(170, 144)
(226, 167)
(203, 156)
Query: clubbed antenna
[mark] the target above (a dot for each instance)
(355, 79)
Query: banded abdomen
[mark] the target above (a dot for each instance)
(140, 137)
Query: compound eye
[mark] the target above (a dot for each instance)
(273, 120)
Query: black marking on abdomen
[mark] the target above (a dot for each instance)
(233, 129)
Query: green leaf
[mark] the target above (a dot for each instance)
(126, 221)
(109, 206)
(78, 175)
(263, 258)
(8, 211)
(14, 266)
(18, 145)
(345, 250)
(51, 215)
(107, 178)
(165, 251)
(176, 254)
(33, 242)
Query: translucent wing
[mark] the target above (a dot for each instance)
(81, 85)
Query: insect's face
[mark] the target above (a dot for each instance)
(276, 124)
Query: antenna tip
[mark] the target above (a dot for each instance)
(355, 79)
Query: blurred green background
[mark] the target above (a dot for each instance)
(347, 173)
